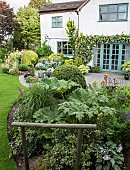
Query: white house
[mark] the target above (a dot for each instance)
(97, 17)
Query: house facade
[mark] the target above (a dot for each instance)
(96, 17)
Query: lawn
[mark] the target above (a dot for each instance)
(8, 96)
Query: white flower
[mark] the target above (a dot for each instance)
(106, 157)
(119, 149)
(50, 70)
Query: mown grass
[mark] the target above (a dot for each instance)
(8, 96)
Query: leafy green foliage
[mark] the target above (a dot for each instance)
(109, 157)
(55, 56)
(64, 146)
(3, 54)
(47, 115)
(43, 50)
(29, 21)
(8, 23)
(84, 69)
(23, 67)
(69, 72)
(126, 66)
(122, 134)
(86, 106)
(38, 3)
(43, 103)
(29, 57)
(76, 61)
(72, 33)
(60, 86)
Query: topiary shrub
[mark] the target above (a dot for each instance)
(29, 57)
(23, 67)
(69, 72)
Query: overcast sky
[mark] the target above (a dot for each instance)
(17, 3)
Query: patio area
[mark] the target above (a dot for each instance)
(98, 77)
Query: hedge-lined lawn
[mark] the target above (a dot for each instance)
(8, 95)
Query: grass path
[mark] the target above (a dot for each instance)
(8, 96)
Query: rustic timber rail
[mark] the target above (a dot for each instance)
(23, 125)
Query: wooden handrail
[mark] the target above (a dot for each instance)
(23, 125)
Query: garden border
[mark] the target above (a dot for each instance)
(22, 125)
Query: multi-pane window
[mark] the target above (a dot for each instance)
(125, 53)
(57, 22)
(65, 48)
(113, 12)
(97, 55)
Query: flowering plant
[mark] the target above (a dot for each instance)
(109, 157)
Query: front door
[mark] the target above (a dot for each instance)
(110, 57)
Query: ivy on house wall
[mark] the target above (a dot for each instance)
(87, 43)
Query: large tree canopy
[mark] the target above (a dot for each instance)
(38, 3)
(8, 22)
(29, 21)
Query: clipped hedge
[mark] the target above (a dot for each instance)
(69, 72)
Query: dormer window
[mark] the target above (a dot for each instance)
(113, 12)
(57, 22)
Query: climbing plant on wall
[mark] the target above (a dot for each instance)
(84, 45)
(87, 43)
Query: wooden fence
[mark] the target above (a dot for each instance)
(24, 125)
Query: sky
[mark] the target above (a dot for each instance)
(15, 4)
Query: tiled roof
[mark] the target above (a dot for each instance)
(61, 6)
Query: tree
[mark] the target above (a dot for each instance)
(72, 33)
(8, 23)
(38, 3)
(29, 21)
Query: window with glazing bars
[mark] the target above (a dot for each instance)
(64, 48)
(57, 22)
(113, 12)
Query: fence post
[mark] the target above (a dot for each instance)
(23, 135)
(79, 149)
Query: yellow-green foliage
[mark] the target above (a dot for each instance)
(84, 69)
(29, 57)
(77, 61)
(56, 56)
(69, 61)
(15, 55)
(126, 66)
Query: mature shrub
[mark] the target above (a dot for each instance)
(83, 68)
(16, 55)
(76, 61)
(29, 57)
(3, 54)
(56, 56)
(23, 67)
(44, 50)
(5, 70)
(69, 72)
